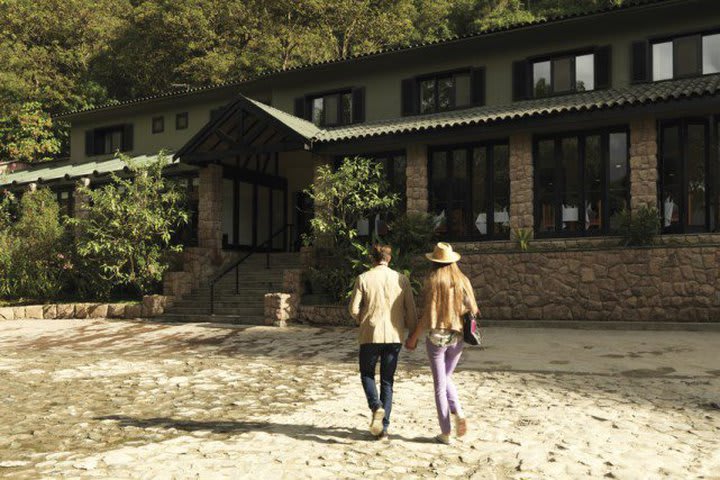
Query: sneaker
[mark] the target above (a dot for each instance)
(376, 425)
(444, 439)
(383, 436)
(460, 425)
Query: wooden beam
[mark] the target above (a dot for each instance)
(244, 150)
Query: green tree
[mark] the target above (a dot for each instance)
(124, 238)
(27, 134)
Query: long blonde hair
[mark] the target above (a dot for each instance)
(444, 293)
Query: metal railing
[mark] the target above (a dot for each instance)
(267, 246)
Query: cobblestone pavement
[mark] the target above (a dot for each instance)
(120, 399)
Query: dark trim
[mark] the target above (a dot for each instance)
(157, 128)
(179, 118)
(339, 92)
(581, 136)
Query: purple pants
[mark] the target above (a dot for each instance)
(443, 361)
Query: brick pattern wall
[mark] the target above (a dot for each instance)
(521, 181)
(643, 162)
(417, 179)
(665, 283)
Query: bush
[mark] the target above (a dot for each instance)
(34, 251)
(123, 241)
(639, 227)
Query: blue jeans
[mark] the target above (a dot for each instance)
(388, 354)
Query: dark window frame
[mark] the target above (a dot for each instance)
(311, 97)
(436, 77)
(709, 123)
(99, 135)
(664, 38)
(154, 127)
(468, 200)
(561, 55)
(604, 134)
(179, 117)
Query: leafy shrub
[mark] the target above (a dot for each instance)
(640, 226)
(34, 251)
(123, 240)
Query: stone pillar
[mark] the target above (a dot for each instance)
(416, 173)
(643, 163)
(521, 181)
(80, 201)
(210, 208)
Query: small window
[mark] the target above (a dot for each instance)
(181, 121)
(331, 109)
(158, 124)
(662, 61)
(567, 74)
(108, 140)
(711, 53)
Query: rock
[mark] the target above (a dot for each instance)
(98, 310)
(7, 313)
(19, 313)
(154, 305)
(133, 310)
(34, 312)
(116, 310)
(49, 312)
(65, 310)
(81, 310)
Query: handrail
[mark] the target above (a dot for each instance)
(236, 266)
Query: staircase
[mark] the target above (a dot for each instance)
(245, 307)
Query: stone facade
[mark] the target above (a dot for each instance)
(662, 283)
(325, 315)
(210, 208)
(521, 181)
(416, 179)
(643, 163)
(280, 308)
(72, 311)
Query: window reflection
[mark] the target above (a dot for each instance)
(711, 53)
(541, 78)
(584, 72)
(662, 54)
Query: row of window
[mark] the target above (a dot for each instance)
(181, 122)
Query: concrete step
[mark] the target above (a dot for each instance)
(206, 318)
(249, 311)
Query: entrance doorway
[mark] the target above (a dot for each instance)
(254, 208)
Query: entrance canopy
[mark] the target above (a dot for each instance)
(247, 128)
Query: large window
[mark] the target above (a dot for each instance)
(581, 182)
(685, 56)
(688, 176)
(444, 92)
(470, 191)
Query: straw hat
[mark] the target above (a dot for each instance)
(443, 253)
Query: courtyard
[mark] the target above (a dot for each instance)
(125, 399)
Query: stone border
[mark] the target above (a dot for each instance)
(151, 306)
(325, 315)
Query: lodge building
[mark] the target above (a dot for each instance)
(554, 126)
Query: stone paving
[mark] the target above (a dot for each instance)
(122, 399)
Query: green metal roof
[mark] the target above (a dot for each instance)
(67, 170)
(647, 93)
(296, 124)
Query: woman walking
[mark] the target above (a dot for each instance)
(448, 295)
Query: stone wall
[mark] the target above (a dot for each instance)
(151, 306)
(416, 185)
(521, 181)
(663, 283)
(643, 163)
(325, 315)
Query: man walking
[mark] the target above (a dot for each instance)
(382, 304)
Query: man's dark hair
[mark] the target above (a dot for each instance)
(380, 253)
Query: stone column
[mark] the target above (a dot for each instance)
(80, 201)
(643, 163)
(416, 172)
(521, 181)
(210, 208)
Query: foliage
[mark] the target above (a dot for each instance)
(357, 189)
(26, 134)
(34, 259)
(124, 237)
(639, 227)
(523, 236)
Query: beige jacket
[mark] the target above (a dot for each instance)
(383, 305)
(431, 316)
